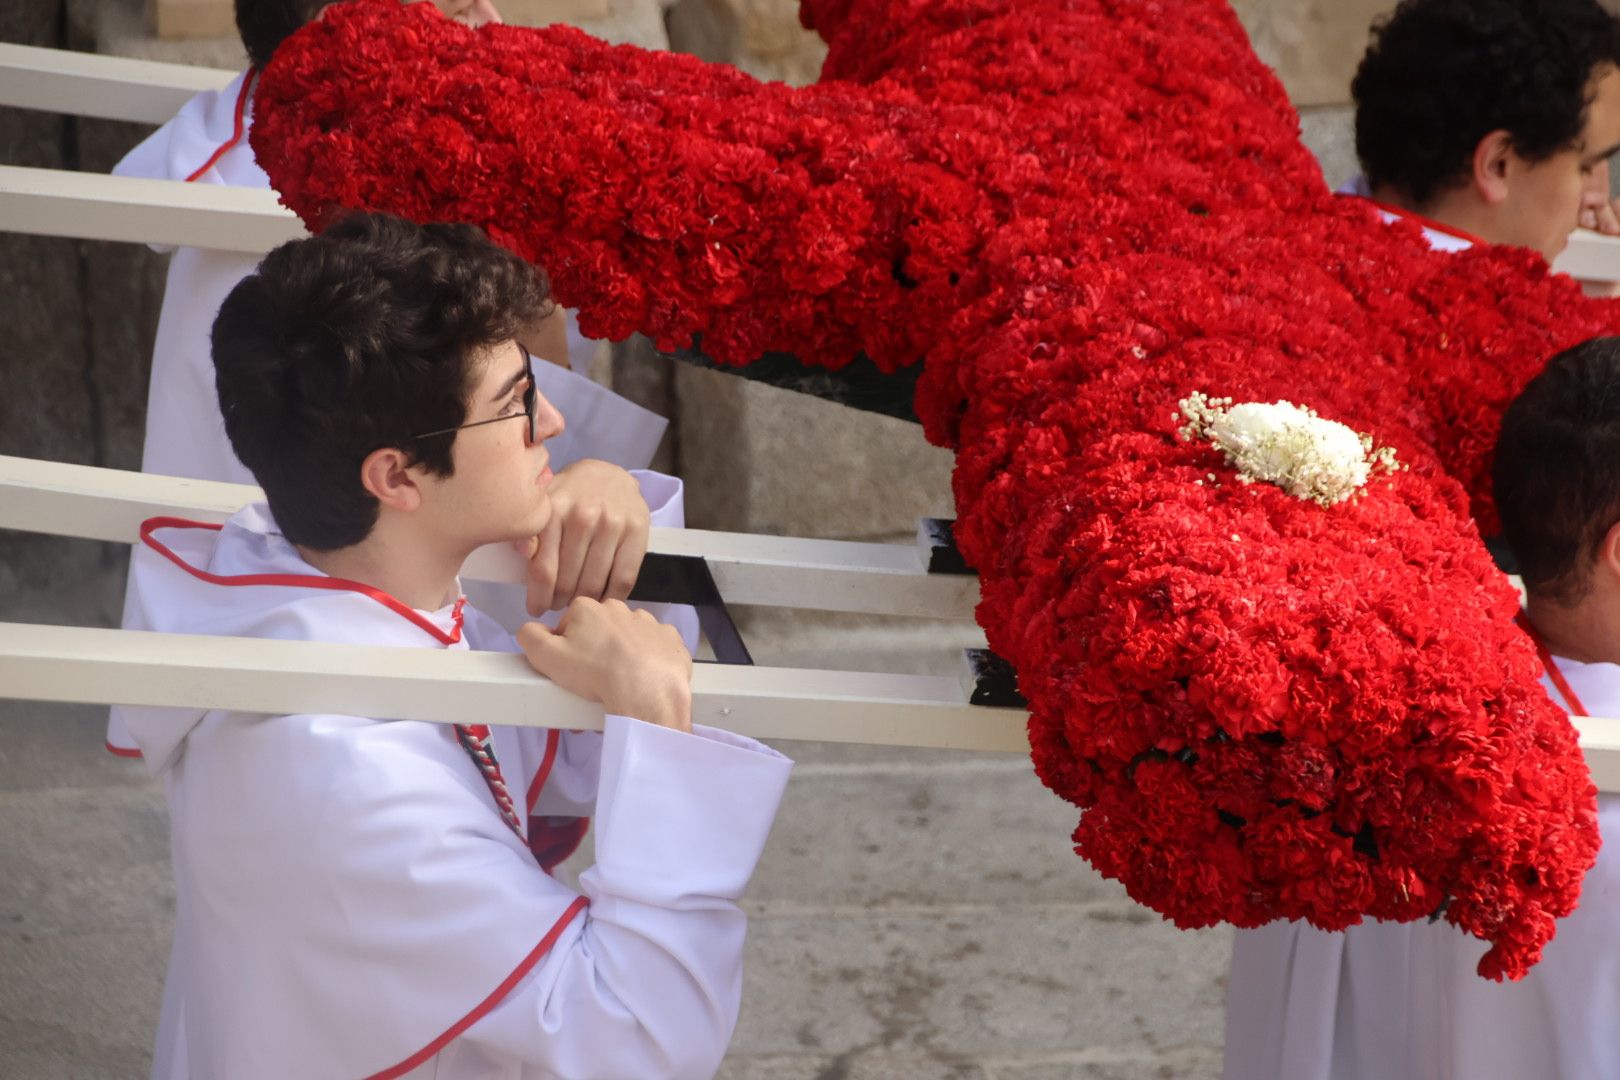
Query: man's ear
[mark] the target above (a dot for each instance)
(387, 474)
(1493, 164)
(1607, 562)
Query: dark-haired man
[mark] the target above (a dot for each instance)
(1557, 487)
(207, 143)
(1490, 120)
(359, 897)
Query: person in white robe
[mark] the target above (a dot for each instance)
(1303, 1003)
(359, 897)
(207, 143)
(1557, 482)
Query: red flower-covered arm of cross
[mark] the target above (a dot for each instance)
(1073, 215)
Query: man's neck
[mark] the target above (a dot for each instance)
(412, 573)
(1587, 632)
(1459, 210)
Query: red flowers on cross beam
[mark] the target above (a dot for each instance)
(1074, 214)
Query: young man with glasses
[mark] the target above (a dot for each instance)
(207, 143)
(359, 897)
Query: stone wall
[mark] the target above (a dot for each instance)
(79, 319)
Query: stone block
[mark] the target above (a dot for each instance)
(1314, 45)
(969, 984)
(761, 459)
(1329, 132)
(70, 737)
(1197, 1064)
(873, 1064)
(83, 1005)
(114, 874)
(546, 12)
(626, 22)
(173, 19)
(983, 832)
(762, 37)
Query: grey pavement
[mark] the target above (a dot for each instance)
(918, 915)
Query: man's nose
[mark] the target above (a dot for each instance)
(548, 422)
(1596, 190)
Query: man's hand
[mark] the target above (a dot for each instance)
(626, 660)
(1598, 212)
(1603, 217)
(595, 541)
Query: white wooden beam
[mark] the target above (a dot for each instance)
(107, 667)
(1593, 259)
(106, 87)
(89, 206)
(822, 575)
(1600, 741)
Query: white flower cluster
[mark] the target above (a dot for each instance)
(1318, 460)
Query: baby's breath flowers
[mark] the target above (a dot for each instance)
(1314, 459)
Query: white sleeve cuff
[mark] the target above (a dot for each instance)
(682, 815)
(664, 496)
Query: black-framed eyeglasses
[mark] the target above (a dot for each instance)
(531, 395)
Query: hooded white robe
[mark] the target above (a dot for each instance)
(350, 901)
(207, 143)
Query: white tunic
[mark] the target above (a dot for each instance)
(350, 902)
(206, 143)
(1403, 1001)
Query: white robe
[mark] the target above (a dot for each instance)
(1403, 1001)
(350, 902)
(185, 434)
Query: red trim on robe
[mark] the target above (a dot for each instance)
(553, 737)
(300, 581)
(236, 136)
(552, 841)
(488, 1003)
(1572, 702)
(552, 844)
(122, 751)
(1425, 222)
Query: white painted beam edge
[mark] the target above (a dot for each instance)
(1590, 256)
(105, 667)
(1600, 740)
(106, 87)
(90, 206)
(83, 501)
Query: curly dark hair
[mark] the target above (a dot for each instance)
(264, 24)
(1440, 75)
(1557, 470)
(356, 340)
